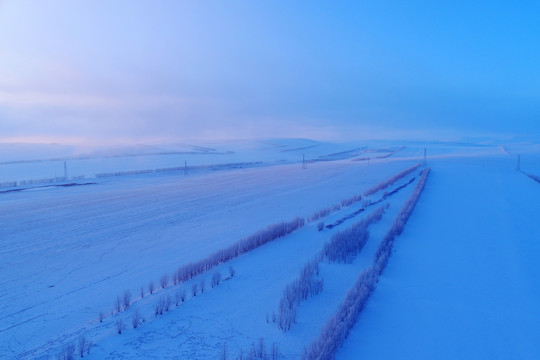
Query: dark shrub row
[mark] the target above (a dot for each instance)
(534, 177)
(383, 185)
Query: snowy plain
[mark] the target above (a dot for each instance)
(464, 265)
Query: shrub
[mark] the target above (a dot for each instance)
(119, 325)
(275, 352)
(224, 352)
(183, 294)
(67, 352)
(160, 306)
(82, 345)
(118, 304)
(201, 284)
(216, 278)
(126, 299)
(164, 280)
(136, 319)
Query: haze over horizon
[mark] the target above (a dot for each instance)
(152, 71)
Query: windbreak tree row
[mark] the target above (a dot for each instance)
(308, 284)
(385, 248)
(330, 209)
(272, 232)
(383, 185)
(343, 247)
(534, 177)
(337, 328)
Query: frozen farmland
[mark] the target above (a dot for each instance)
(289, 250)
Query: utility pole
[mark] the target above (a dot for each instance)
(185, 167)
(518, 168)
(303, 161)
(65, 171)
(425, 152)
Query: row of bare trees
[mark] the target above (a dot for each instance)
(70, 350)
(384, 184)
(272, 232)
(337, 328)
(534, 177)
(343, 247)
(306, 285)
(330, 209)
(190, 270)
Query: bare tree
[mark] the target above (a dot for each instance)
(177, 297)
(216, 278)
(142, 292)
(275, 351)
(101, 315)
(160, 306)
(320, 225)
(224, 352)
(175, 278)
(67, 352)
(194, 289)
(201, 283)
(151, 287)
(119, 325)
(164, 280)
(167, 302)
(232, 271)
(136, 319)
(127, 299)
(118, 304)
(261, 351)
(183, 294)
(82, 345)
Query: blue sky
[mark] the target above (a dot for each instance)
(165, 70)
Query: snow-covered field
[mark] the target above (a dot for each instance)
(462, 282)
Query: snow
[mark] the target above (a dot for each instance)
(463, 281)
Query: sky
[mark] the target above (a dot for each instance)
(73, 71)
